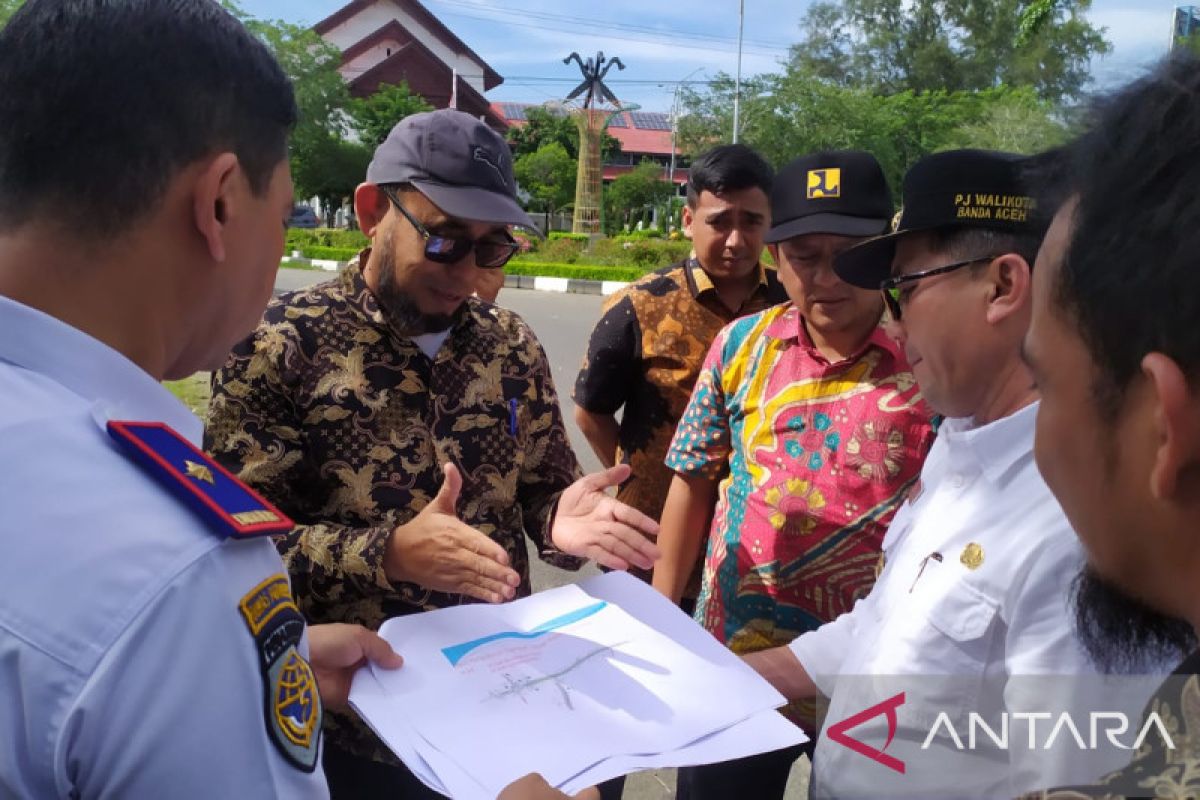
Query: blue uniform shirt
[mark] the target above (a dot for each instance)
(131, 633)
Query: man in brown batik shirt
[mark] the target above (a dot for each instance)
(645, 352)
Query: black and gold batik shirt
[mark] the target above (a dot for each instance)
(345, 424)
(1157, 769)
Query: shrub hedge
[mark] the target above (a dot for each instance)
(576, 271)
(572, 237)
(330, 253)
(637, 236)
(300, 238)
(634, 256)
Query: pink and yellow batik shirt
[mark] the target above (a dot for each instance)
(819, 457)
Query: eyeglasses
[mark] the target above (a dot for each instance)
(489, 254)
(895, 297)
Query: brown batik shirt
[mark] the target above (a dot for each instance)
(645, 355)
(345, 425)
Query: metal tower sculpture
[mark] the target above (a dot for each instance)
(590, 116)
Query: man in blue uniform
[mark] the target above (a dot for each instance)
(149, 645)
(149, 642)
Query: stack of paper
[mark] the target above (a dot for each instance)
(581, 683)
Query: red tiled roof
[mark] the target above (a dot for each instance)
(633, 140)
(638, 141)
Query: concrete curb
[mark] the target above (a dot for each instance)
(319, 263)
(536, 283)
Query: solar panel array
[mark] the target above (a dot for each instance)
(641, 120)
(518, 112)
(650, 120)
(514, 112)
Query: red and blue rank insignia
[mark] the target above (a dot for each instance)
(231, 507)
(291, 702)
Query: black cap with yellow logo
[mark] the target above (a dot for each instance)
(836, 191)
(957, 188)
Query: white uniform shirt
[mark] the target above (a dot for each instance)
(980, 503)
(126, 668)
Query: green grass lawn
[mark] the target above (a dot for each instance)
(192, 391)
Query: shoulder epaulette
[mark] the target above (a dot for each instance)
(231, 507)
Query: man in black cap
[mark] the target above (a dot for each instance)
(411, 430)
(974, 585)
(802, 435)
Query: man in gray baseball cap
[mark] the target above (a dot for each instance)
(410, 429)
(460, 164)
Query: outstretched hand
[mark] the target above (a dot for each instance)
(590, 523)
(438, 551)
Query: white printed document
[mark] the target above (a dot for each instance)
(581, 683)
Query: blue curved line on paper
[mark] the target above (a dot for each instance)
(457, 652)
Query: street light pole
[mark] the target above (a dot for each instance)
(674, 136)
(737, 91)
(675, 122)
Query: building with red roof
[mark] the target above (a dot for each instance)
(389, 41)
(644, 135)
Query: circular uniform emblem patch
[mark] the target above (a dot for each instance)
(295, 704)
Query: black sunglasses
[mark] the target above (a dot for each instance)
(893, 295)
(489, 254)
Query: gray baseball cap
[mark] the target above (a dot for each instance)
(458, 162)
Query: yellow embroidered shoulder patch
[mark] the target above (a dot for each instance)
(291, 701)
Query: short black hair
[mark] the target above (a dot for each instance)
(728, 168)
(103, 102)
(1130, 277)
(960, 242)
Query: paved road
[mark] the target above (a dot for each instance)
(563, 323)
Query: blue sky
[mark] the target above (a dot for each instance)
(663, 42)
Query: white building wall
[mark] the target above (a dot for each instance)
(364, 61)
(381, 13)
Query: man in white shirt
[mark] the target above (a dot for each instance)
(973, 591)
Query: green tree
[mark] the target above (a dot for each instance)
(891, 46)
(544, 126)
(548, 176)
(1036, 15)
(629, 196)
(796, 113)
(374, 117)
(318, 149)
(707, 112)
(312, 65)
(8, 8)
(1015, 121)
(329, 168)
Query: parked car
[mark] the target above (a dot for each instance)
(303, 217)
